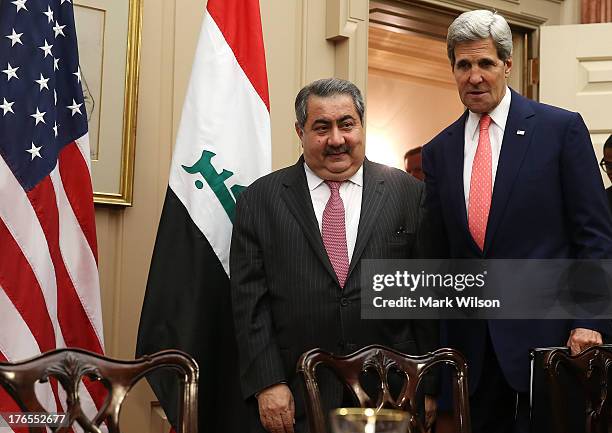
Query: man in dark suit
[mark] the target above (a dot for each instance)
(299, 236)
(511, 178)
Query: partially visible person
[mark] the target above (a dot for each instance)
(510, 179)
(299, 237)
(606, 165)
(412, 163)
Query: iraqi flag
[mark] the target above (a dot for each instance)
(223, 145)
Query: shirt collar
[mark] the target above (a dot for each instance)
(315, 181)
(499, 115)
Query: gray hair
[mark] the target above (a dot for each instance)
(325, 88)
(476, 25)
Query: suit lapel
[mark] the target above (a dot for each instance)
(454, 167)
(521, 117)
(297, 198)
(371, 204)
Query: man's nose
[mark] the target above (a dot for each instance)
(475, 76)
(335, 137)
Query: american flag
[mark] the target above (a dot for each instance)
(49, 288)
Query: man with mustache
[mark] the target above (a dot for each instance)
(299, 236)
(510, 179)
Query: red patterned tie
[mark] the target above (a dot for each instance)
(481, 185)
(334, 232)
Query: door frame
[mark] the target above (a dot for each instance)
(432, 18)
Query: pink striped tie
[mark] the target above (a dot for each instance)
(334, 232)
(481, 185)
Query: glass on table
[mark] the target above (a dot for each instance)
(360, 420)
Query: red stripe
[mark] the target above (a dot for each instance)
(76, 180)
(7, 404)
(240, 23)
(76, 327)
(77, 184)
(22, 288)
(15, 275)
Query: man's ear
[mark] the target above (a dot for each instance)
(508, 66)
(299, 131)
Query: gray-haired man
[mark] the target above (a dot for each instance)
(511, 178)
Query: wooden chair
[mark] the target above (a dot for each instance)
(381, 360)
(70, 366)
(590, 370)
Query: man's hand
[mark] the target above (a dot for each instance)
(431, 406)
(276, 409)
(581, 339)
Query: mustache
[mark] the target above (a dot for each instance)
(337, 150)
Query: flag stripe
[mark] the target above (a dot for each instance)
(80, 315)
(76, 327)
(22, 223)
(70, 313)
(83, 146)
(23, 311)
(21, 344)
(30, 304)
(17, 345)
(73, 169)
(240, 23)
(81, 266)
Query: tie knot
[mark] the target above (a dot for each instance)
(485, 121)
(334, 186)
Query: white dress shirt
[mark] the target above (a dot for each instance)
(350, 193)
(499, 116)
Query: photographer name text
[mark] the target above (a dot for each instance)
(432, 302)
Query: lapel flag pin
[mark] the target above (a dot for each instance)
(520, 132)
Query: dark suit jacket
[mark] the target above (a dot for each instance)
(548, 202)
(285, 295)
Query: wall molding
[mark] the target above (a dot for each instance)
(346, 25)
(454, 7)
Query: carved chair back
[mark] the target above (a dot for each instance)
(381, 360)
(70, 366)
(590, 369)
